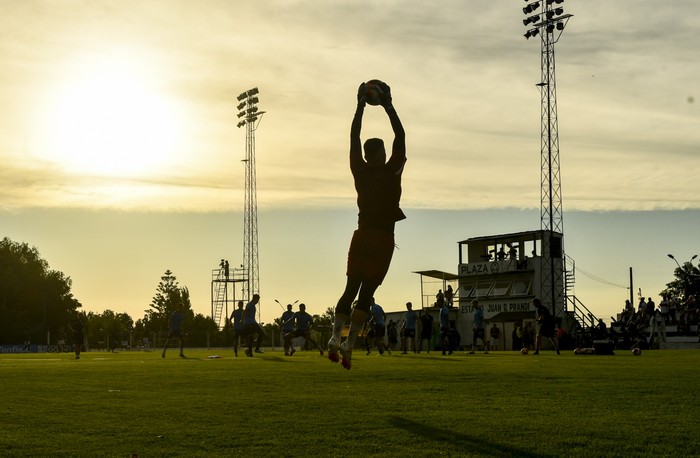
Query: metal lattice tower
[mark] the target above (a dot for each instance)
(249, 118)
(546, 18)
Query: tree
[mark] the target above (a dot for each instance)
(113, 325)
(327, 318)
(35, 301)
(168, 297)
(202, 331)
(685, 284)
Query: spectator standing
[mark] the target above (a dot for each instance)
(449, 296)
(664, 309)
(439, 299)
(426, 330)
(517, 336)
(478, 331)
(445, 330)
(495, 333)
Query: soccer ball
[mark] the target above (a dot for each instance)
(373, 92)
(524, 351)
(636, 351)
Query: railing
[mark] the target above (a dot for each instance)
(583, 316)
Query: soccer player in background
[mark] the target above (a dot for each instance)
(287, 326)
(251, 329)
(379, 326)
(545, 327)
(378, 186)
(302, 328)
(78, 328)
(409, 329)
(237, 320)
(175, 329)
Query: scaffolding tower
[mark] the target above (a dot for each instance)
(226, 289)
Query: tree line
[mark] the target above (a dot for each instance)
(37, 307)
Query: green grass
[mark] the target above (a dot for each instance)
(498, 405)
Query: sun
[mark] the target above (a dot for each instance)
(110, 118)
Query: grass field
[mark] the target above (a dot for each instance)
(503, 404)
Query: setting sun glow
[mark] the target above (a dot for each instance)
(111, 119)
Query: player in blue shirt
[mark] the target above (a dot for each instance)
(287, 326)
(409, 329)
(237, 321)
(175, 329)
(303, 323)
(545, 326)
(378, 325)
(251, 329)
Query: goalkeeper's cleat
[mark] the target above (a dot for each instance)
(333, 350)
(346, 353)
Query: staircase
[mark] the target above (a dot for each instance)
(574, 307)
(219, 295)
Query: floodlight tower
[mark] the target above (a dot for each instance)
(249, 116)
(547, 19)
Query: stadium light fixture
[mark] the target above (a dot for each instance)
(248, 110)
(531, 20)
(675, 260)
(531, 33)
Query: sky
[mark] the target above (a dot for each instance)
(122, 159)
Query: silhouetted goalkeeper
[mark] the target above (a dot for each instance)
(378, 185)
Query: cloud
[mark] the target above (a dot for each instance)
(463, 79)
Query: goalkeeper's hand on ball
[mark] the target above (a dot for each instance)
(361, 95)
(385, 94)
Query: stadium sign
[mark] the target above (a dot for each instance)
(497, 307)
(18, 349)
